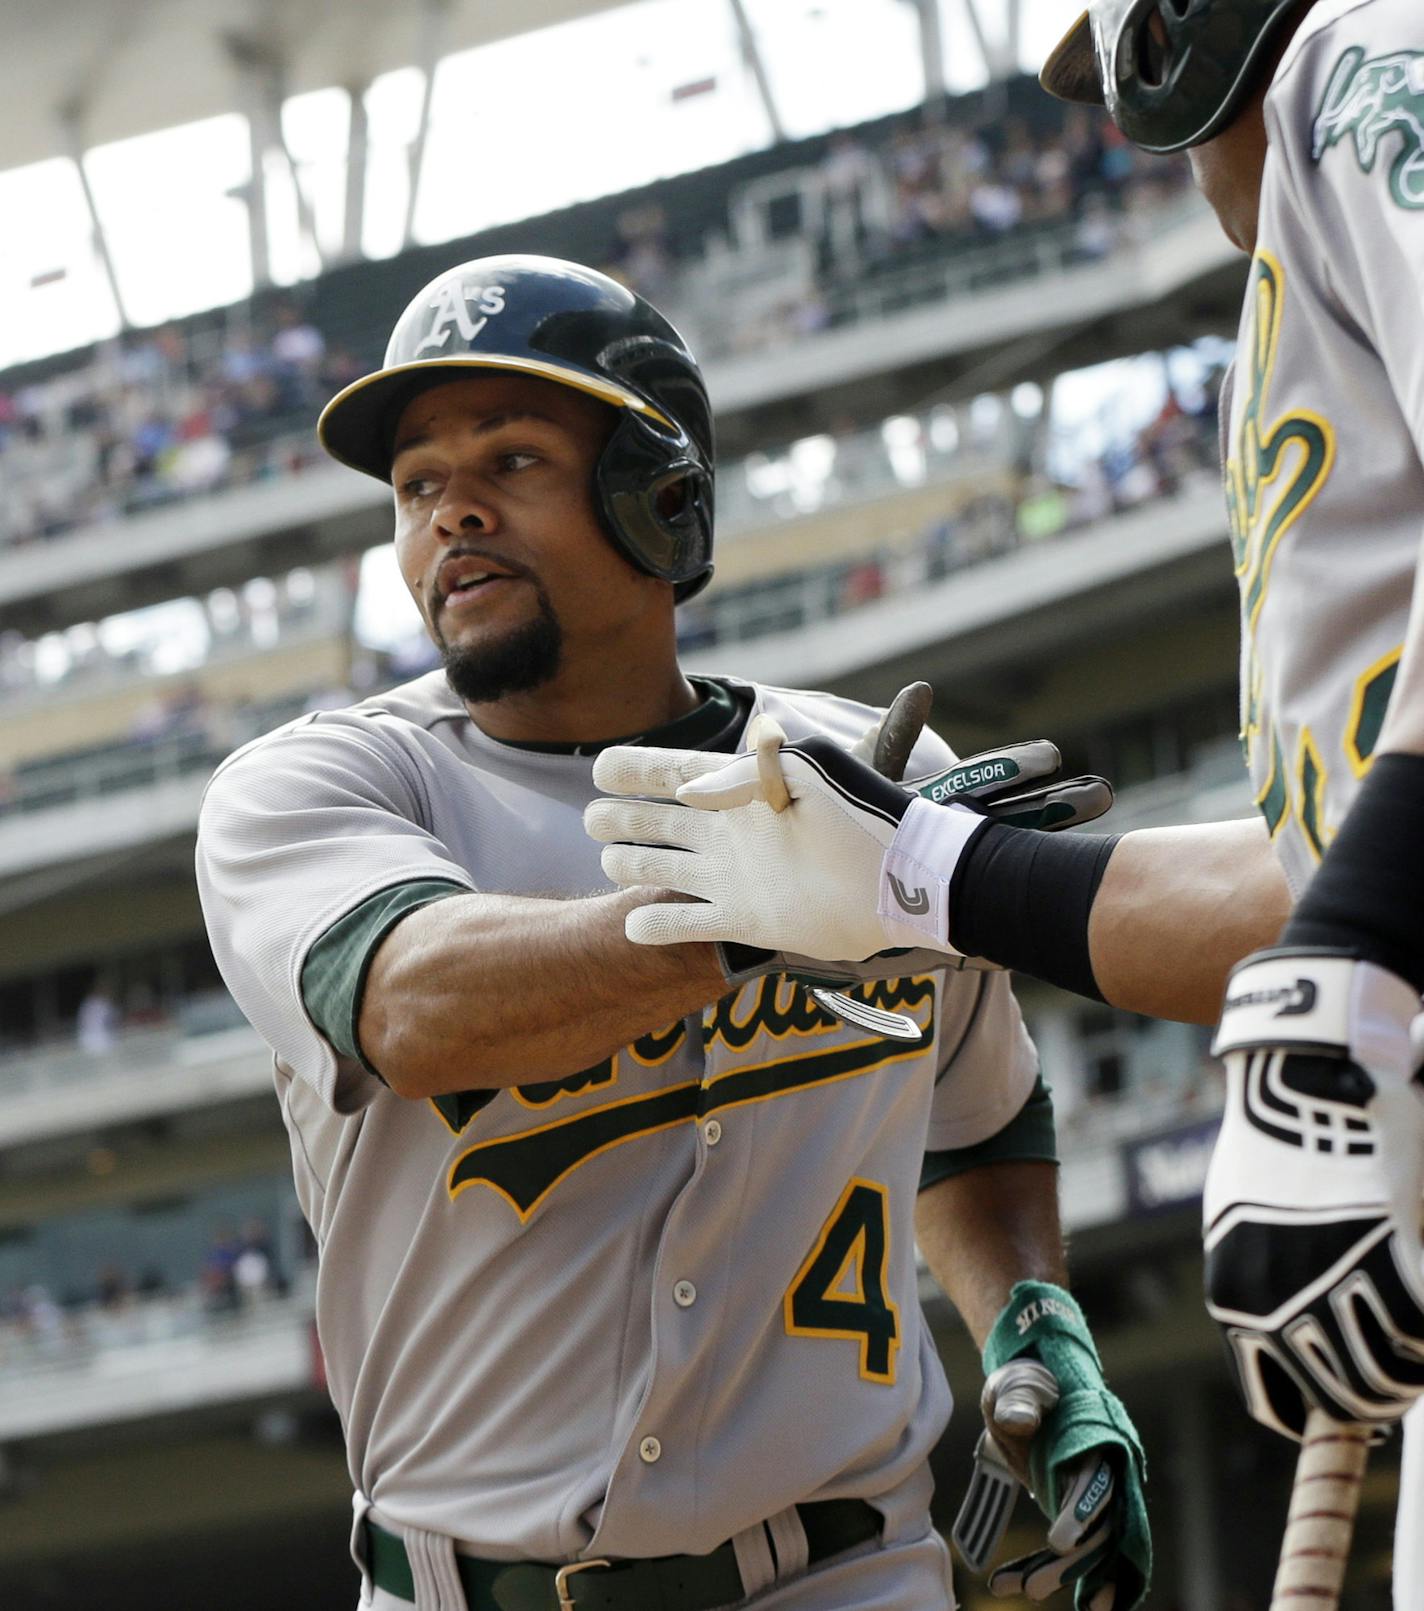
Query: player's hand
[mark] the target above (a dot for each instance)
(1312, 1202)
(792, 848)
(798, 875)
(1059, 1431)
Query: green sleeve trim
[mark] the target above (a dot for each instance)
(334, 973)
(1029, 1137)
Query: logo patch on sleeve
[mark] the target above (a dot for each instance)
(1368, 99)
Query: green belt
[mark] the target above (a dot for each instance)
(660, 1583)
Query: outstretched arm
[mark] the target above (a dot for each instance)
(1152, 921)
(495, 990)
(1177, 909)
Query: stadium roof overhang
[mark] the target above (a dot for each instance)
(94, 71)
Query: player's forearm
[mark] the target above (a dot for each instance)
(984, 1230)
(486, 991)
(1151, 922)
(1177, 909)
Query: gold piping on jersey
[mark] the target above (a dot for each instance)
(1373, 688)
(658, 1045)
(1251, 702)
(790, 1074)
(466, 1105)
(1310, 773)
(1259, 451)
(854, 1239)
(1273, 797)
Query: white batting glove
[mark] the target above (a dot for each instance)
(835, 875)
(1314, 1266)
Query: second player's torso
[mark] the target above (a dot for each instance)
(1324, 485)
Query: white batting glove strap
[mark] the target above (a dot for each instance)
(1040, 1576)
(918, 869)
(1311, 1207)
(1081, 1534)
(1311, 1002)
(1014, 1401)
(1281, 1147)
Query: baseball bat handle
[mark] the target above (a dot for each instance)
(1321, 1520)
(1020, 1408)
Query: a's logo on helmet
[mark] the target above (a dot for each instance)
(462, 307)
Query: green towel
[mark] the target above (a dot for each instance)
(1043, 1322)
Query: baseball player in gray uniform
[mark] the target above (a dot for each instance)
(1305, 127)
(617, 1286)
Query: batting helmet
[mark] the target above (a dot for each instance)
(1175, 86)
(568, 324)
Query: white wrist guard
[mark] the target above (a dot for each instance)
(918, 869)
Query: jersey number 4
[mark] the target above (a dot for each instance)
(840, 1290)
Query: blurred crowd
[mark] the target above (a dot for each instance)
(160, 415)
(1175, 449)
(261, 615)
(239, 1273)
(928, 188)
(229, 398)
(182, 728)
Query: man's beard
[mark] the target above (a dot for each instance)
(525, 658)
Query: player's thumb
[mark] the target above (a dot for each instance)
(671, 923)
(734, 783)
(1017, 1396)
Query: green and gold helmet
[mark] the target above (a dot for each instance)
(568, 324)
(1172, 73)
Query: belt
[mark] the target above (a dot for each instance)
(657, 1583)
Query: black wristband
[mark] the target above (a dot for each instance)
(1368, 896)
(1022, 898)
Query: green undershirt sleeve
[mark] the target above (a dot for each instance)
(334, 973)
(1029, 1137)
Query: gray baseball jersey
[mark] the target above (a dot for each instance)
(630, 1312)
(1325, 439)
(1326, 415)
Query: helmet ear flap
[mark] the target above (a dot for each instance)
(654, 493)
(1173, 73)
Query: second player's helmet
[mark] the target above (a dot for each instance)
(568, 324)
(1172, 73)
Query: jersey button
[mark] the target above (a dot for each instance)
(649, 1450)
(712, 1132)
(684, 1294)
